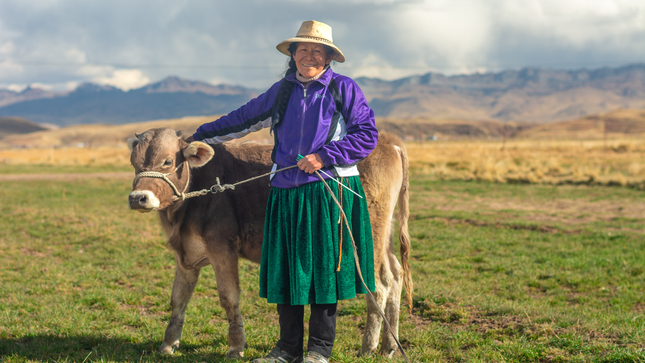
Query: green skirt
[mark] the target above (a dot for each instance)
(302, 249)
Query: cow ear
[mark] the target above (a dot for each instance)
(198, 153)
(132, 143)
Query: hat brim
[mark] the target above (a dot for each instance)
(283, 47)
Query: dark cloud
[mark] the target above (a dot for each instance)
(127, 43)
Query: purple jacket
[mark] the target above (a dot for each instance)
(305, 127)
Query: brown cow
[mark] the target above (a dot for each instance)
(218, 229)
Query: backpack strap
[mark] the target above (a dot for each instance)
(279, 110)
(335, 93)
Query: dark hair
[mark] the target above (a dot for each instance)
(291, 64)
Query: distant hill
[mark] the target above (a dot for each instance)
(527, 95)
(17, 125)
(170, 98)
(420, 129)
(615, 123)
(619, 123)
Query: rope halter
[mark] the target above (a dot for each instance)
(155, 174)
(217, 188)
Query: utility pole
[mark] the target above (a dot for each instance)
(503, 137)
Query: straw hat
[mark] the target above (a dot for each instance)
(313, 32)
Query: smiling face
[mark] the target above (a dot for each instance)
(311, 58)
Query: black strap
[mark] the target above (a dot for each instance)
(280, 109)
(335, 93)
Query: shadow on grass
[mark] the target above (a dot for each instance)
(97, 348)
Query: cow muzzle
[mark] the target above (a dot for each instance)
(143, 201)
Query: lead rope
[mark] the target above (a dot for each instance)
(220, 188)
(216, 188)
(358, 269)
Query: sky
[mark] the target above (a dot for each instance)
(59, 44)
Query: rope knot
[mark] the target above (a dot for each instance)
(218, 188)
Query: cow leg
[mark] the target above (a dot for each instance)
(392, 307)
(374, 320)
(382, 236)
(182, 291)
(228, 287)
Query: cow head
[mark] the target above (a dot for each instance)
(159, 152)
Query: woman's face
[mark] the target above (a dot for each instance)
(311, 58)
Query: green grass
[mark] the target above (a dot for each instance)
(503, 273)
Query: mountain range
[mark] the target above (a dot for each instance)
(91, 103)
(530, 94)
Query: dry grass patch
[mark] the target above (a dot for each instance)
(615, 162)
(98, 156)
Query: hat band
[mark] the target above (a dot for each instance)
(315, 38)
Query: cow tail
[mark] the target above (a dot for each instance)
(403, 216)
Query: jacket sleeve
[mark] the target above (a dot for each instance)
(253, 116)
(362, 134)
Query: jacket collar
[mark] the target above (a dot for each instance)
(324, 79)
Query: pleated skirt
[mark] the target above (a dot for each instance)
(307, 255)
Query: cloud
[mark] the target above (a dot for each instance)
(123, 43)
(576, 23)
(124, 79)
(9, 68)
(7, 48)
(15, 87)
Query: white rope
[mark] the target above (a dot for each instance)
(216, 188)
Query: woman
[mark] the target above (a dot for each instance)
(307, 257)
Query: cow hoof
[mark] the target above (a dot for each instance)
(168, 348)
(235, 355)
(388, 353)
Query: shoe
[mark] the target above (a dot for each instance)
(315, 357)
(277, 355)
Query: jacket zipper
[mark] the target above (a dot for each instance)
(302, 128)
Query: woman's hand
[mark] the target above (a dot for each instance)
(310, 163)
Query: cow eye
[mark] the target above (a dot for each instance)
(167, 162)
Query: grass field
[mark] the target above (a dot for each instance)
(503, 273)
